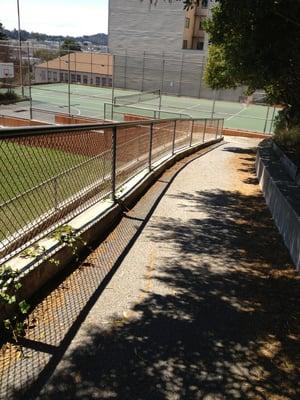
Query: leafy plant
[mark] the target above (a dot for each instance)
(65, 234)
(9, 287)
(33, 251)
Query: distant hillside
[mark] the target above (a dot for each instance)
(98, 38)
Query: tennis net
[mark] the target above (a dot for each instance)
(135, 98)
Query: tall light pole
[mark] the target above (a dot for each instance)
(20, 49)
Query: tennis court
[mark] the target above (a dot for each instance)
(97, 102)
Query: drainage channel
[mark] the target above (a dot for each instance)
(64, 305)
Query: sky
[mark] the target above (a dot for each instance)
(56, 17)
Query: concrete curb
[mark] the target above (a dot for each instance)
(38, 271)
(291, 168)
(282, 196)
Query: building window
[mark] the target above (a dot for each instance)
(78, 78)
(109, 82)
(97, 80)
(204, 3)
(66, 78)
(200, 45)
(85, 79)
(61, 77)
(49, 75)
(184, 44)
(73, 78)
(187, 23)
(55, 76)
(91, 81)
(104, 83)
(43, 75)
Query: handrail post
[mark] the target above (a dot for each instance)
(192, 131)
(150, 147)
(174, 136)
(217, 131)
(113, 163)
(204, 130)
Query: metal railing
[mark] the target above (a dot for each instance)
(50, 174)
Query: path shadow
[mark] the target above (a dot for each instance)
(224, 323)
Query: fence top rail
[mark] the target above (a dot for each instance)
(6, 133)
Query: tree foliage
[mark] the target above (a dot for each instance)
(2, 33)
(45, 54)
(258, 44)
(70, 44)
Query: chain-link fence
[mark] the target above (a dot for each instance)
(55, 81)
(50, 174)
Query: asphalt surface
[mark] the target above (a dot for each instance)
(204, 304)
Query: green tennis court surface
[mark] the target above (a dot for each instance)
(90, 101)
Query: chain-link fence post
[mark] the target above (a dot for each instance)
(113, 87)
(192, 131)
(174, 138)
(125, 70)
(217, 130)
(181, 72)
(213, 104)
(267, 118)
(91, 67)
(69, 84)
(29, 83)
(113, 163)
(204, 130)
(143, 72)
(272, 120)
(163, 73)
(20, 50)
(150, 147)
(201, 78)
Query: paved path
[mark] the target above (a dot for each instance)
(205, 305)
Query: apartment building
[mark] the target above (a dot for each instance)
(156, 28)
(80, 67)
(161, 46)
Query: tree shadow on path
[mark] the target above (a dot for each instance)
(223, 324)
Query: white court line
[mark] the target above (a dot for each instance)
(190, 108)
(234, 115)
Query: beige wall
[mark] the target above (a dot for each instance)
(46, 75)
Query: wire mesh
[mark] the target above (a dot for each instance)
(162, 140)
(198, 131)
(211, 131)
(132, 152)
(47, 177)
(183, 133)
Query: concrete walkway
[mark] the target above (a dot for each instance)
(205, 305)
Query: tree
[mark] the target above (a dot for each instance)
(70, 44)
(45, 54)
(2, 33)
(257, 44)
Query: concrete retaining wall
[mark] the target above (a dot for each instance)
(282, 197)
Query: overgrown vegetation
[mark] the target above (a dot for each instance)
(9, 97)
(9, 302)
